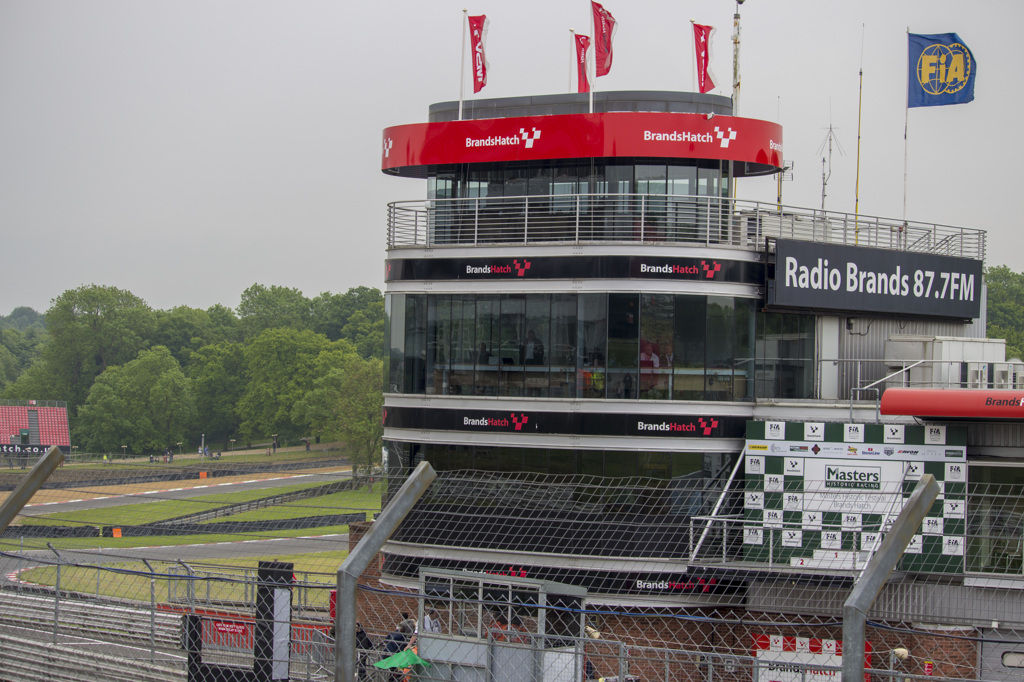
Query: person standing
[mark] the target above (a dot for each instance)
(431, 622)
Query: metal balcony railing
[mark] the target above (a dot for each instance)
(593, 218)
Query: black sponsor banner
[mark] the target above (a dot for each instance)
(574, 267)
(859, 279)
(694, 581)
(588, 424)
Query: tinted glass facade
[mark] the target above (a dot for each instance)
(602, 345)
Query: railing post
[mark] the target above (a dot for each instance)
(476, 222)
(526, 220)
(643, 215)
(577, 239)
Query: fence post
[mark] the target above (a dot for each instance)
(152, 612)
(873, 578)
(359, 558)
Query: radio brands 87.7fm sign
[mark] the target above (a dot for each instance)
(859, 279)
(821, 495)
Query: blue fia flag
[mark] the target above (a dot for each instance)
(942, 70)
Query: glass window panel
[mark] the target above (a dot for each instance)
(746, 333)
(488, 326)
(718, 384)
(656, 352)
(681, 208)
(591, 462)
(592, 345)
(623, 342)
(620, 464)
(513, 331)
(462, 344)
(438, 345)
(415, 343)
(689, 343)
(537, 344)
(562, 462)
(562, 349)
(535, 460)
(460, 457)
(510, 459)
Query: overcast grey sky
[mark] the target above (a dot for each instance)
(185, 150)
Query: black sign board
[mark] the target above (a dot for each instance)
(858, 279)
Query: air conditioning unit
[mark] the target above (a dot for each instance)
(977, 375)
(1003, 378)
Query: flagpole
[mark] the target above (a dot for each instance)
(593, 78)
(906, 124)
(462, 67)
(572, 60)
(860, 108)
(693, 55)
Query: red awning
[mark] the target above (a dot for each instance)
(954, 402)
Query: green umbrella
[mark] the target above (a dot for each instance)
(403, 659)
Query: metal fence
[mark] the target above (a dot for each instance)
(109, 608)
(693, 220)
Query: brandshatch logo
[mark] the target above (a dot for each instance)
(708, 426)
(521, 269)
(517, 420)
(529, 138)
(711, 270)
(388, 144)
(725, 137)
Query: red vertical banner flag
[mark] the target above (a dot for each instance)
(582, 80)
(702, 44)
(604, 31)
(477, 36)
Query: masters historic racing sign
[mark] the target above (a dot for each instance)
(858, 279)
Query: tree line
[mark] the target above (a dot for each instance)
(281, 363)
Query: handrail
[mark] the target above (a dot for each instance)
(661, 218)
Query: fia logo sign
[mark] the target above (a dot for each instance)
(773, 518)
(956, 472)
(931, 526)
(754, 465)
(831, 539)
(793, 501)
(934, 435)
(953, 545)
(853, 433)
(753, 535)
(775, 430)
(773, 483)
(851, 521)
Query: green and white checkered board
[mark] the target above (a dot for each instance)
(821, 496)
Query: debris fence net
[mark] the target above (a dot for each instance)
(117, 568)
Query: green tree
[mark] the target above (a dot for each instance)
(225, 325)
(346, 403)
(218, 383)
(147, 404)
(365, 330)
(279, 371)
(103, 424)
(1005, 308)
(91, 328)
(331, 312)
(273, 307)
(182, 330)
(22, 318)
